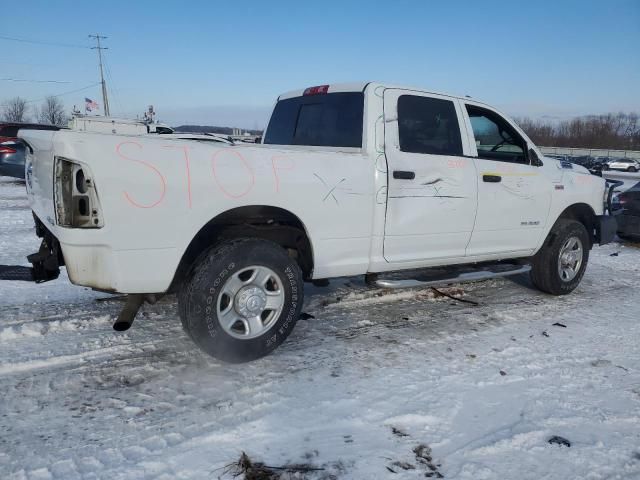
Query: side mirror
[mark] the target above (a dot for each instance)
(535, 160)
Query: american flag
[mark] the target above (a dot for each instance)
(90, 104)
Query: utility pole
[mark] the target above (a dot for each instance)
(105, 100)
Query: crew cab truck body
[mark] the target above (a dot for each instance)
(350, 179)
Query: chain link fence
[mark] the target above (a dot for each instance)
(591, 152)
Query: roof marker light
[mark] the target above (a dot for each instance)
(319, 90)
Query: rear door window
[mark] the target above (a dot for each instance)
(327, 120)
(428, 125)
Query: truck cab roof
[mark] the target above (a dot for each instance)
(359, 87)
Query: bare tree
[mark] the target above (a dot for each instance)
(52, 111)
(14, 110)
(611, 131)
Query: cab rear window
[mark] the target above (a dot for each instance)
(330, 120)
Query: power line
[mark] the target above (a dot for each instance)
(32, 81)
(61, 94)
(66, 93)
(39, 42)
(98, 47)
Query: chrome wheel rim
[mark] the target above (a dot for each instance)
(250, 302)
(570, 259)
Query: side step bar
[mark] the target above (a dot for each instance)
(460, 278)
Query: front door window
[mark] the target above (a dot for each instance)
(495, 138)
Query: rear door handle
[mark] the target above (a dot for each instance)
(403, 175)
(491, 178)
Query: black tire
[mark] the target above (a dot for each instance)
(200, 294)
(632, 169)
(545, 273)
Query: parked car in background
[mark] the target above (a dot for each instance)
(584, 161)
(594, 166)
(562, 158)
(9, 131)
(629, 218)
(624, 164)
(580, 160)
(12, 156)
(12, 149)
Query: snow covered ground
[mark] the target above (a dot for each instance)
(376, 385)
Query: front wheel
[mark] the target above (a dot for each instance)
(242, 299)
(632, 169)
(560, 264)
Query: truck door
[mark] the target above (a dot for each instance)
(514, 196)
(432, 187)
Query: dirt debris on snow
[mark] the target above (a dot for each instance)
(402, 466)
(424, 456)
(558, 440)
(398, 433)
(251, 470)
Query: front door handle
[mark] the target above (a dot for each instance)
(491, 178)
(403, 175)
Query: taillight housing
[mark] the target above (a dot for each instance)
(7, 149)
(75, 196)
(622, 198)
(319, 90)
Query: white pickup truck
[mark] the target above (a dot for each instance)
(350, 179)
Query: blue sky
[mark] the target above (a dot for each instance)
(225, 62)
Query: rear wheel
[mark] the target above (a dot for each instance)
(632, 169)
(242, 299)
(560, 264)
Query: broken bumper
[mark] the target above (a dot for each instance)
(607, 225)
(98, 266)
(46, 262)
(120, 271)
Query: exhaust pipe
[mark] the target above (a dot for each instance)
(128, 313)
